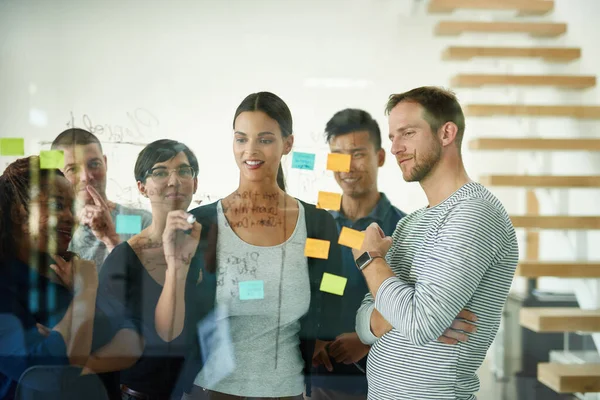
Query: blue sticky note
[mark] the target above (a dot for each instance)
(129, 224)
(251, 290)
(303, 161)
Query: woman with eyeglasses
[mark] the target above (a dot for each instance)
(135, 272)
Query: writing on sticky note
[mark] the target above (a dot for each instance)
(329, 201)
(52, 159)
(339, 162)
(129, 224)
(303, 161)
(351, 238)
(317, 248)
(12, 146)
(333, 284)
(251, 290)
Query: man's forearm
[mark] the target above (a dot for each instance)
(376, 273)
(379, 325)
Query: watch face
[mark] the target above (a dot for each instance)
(360, 261)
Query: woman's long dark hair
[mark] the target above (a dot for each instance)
(275, 108)
(15, 184)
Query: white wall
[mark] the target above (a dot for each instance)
(178, 69)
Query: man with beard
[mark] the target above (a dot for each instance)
(85, 167)
(459, 252)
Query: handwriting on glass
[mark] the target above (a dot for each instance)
(139, 123)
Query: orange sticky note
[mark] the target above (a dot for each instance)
(333, 284)
(351, 238)
(317, 248)
(329, 201)
(339, 162)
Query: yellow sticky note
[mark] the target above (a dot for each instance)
(52, 159)
(351, 238)
(12, 146)
(329, 201)
(333, 284)
(339, 162)
(317, 248)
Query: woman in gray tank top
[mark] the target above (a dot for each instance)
(258, 340)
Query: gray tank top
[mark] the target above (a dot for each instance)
(265, 291)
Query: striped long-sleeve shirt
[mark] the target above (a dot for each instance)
(460, 254)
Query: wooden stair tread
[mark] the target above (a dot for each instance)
(534, 144)
(572, 111)
(555, 222)
(570, 378)
(541, 181)
(563, 81)
(559, 319)
(548, 53)
(524, 7)
(537, 29)
(569, 269)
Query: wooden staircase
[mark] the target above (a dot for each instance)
(562, 378)
(535, 144)
(541, 181)
(559, 81)
(569, 378)
(523, 7)
(565, 319)
(538, 269)
(535, 29)
(490, 110)
(551, 54)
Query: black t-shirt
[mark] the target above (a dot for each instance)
(123, 277)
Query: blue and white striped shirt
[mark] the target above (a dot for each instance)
(460, 254)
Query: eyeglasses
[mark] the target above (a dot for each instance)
(161, 174)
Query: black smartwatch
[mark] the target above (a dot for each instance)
(366, 258)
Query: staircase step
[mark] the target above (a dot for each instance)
(560, 319)
(570, 378)
(488, 110)
(536, 29)
(560, 81)
(535, 144)
(553, 54)
(570, 269)
(524, 7)
(555, 222)
(548, 181)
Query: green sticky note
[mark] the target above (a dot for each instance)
(252, 290)
(333, 284)
(12, 146)
(52, 159)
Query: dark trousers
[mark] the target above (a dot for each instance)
(199, 393)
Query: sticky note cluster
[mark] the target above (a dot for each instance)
(333, 284)
(129, 224)
(52, 159)
(12, 147)
(303, 161)
(251, 290)
(329, 201)
(317, 248)
(339, 162)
